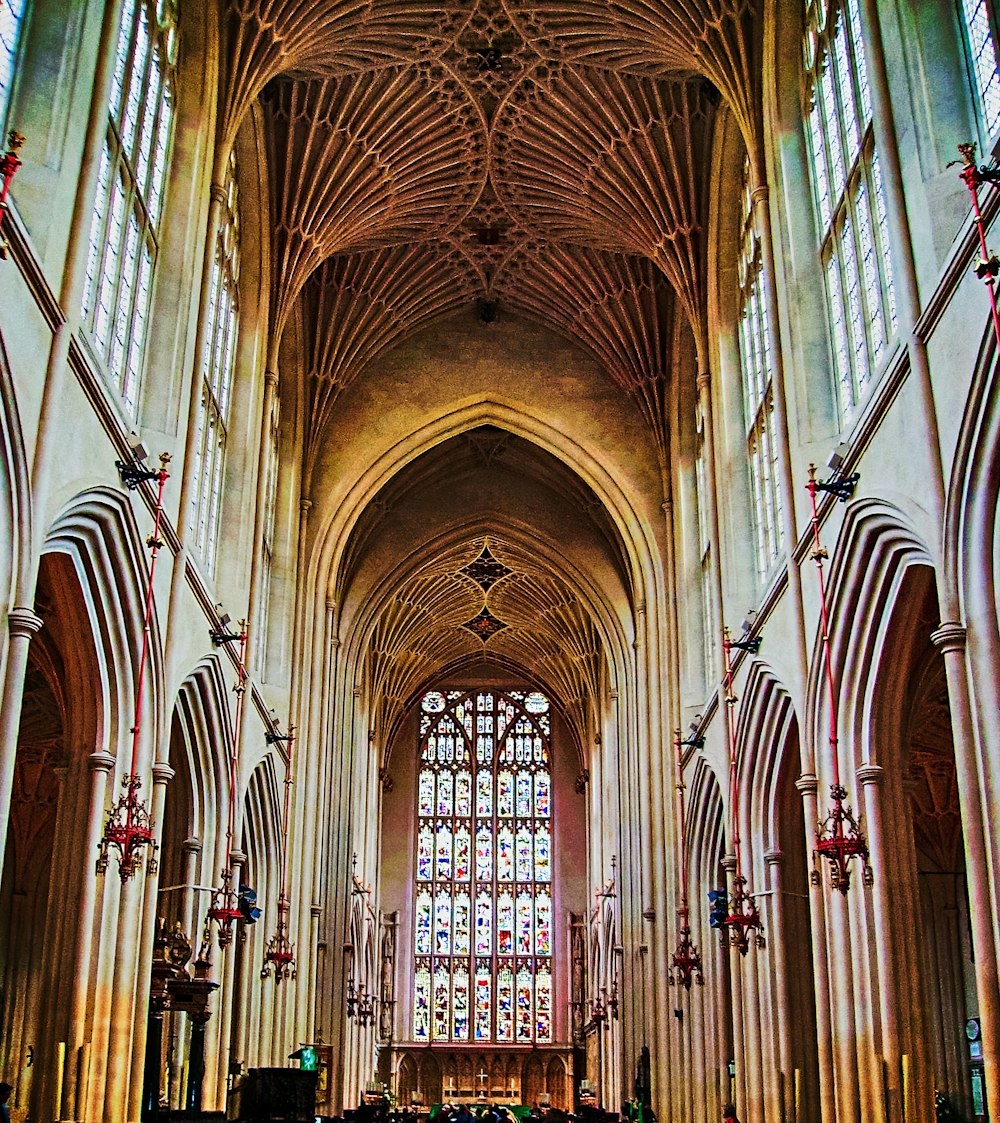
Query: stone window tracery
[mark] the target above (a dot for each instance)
(483, 900)
(218, 363)
(124, 231)
(267, 540)
(11, 23)
(981, 42)
(758, 398)
(849, 196)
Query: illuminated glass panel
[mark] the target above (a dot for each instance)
(483, 920)
(983, 54)
(758, 406)
(124, 229)
(11, 19)
(218, 365)
(422, 1003)
(849, 197)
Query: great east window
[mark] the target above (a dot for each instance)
(483, 892)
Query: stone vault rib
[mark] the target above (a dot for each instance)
(324, 38)
(359, 306)
(654, 38)
(617, 306)
(358, 164)
(612, 162)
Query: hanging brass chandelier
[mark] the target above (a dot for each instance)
(129, 829)
(743, 920)
(685, 963)
(839, 837)
(279, 956)
(224, 909)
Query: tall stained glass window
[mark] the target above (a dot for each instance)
(758, 397)
(980, 35)
(11, 23)
(704, 547)
(483, 901)
(124, 231)
(218, 362)
(267, 540)
(850, 198)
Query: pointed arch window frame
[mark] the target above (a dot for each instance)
(483, 945)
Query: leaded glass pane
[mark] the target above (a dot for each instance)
(982, 50)
(850, 201)
(123, 239)
(475, 912)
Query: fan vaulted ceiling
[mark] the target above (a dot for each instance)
(537, 158)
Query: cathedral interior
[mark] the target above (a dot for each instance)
(498, 556)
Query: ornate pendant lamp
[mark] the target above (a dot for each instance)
(129, 829)
(224, 909)
(839, 838)
(988, 266)
(743, 919)
(279, 956)
(685, 963)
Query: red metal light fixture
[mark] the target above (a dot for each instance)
(839, 837)
(129, 828)
(279, 956)
(988, 266)
(9, 163)
(685, 963)
(743, 919)
(224, 909)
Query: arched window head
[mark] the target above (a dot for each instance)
(980, 40)
(11, 23)
(482, 932)
(849, 196)
(124, 231)
(758, 397)
(218, 362)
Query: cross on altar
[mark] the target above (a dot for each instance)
(483, 1076)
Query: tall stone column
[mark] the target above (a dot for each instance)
(162, 775)
(949, 639)
(870, 777)
(73, 1093)
(807, 786)
(22, 624)
(779, 1086)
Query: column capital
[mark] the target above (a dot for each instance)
(217, 193)
(191, 846)
(305, 504)
(23, 621)
(270, 377)
(773, 857)
(729, 863)
(807, 784)
(760, 193)
(101, 762)
(704, 380)
(870, 774)
(237, 858)
(949, 636)
(162, 773)
(316, 910)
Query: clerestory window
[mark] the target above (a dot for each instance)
(124, 231)
(218, 363)
(849, 196)
(483, 877)
(758, 395)
(980, 39)
(11, 23)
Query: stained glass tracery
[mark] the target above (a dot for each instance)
(483, 902)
